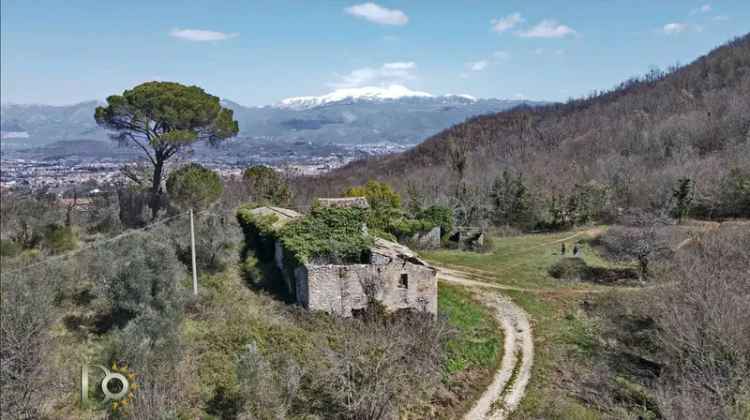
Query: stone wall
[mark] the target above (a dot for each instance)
(395, 280)
(341, 289)
(426, 240)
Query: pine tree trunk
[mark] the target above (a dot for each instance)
(156, 188)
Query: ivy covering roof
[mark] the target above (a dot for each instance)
(326, 236)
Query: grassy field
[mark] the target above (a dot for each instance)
(474, 350)
(564, 336)
(523, 260)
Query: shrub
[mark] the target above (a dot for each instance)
(735, 193)
(9, 248)
(268, 387)
(438, 216)
(26, 305)
(642, 244)
(193, 186)
(703, 328)
(405, 228)
(365, 368)
(569, 269)
(214, 238)
(577, 269)
(385, 204)
(145, 284)
(379, 194)
(58, 238)
(267, 186)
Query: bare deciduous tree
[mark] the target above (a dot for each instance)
(25, 343)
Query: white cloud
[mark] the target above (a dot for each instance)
(385, 75)
(721, 18)
(501, 55)
(400, 65)
(539, 51)
(674, 28)
(548, 28)
(519, 96)
(201, 35)
(378, 14)
(703, 9)
(508, 22)
(477, 65)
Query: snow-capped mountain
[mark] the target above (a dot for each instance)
(394, 114)
(368, 93)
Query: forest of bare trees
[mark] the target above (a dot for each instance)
(635, 142)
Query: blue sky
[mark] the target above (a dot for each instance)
(259, 52)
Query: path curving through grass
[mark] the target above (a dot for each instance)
(509, 382)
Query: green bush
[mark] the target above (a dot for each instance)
(576, 269)
(146, 286)
(438, 216)
(267, 186)
(58, 238)
(569, 269)
(404, 228)
(382, 234)
(385, 204)
(193, 186)
(9, 248)
(379, 194)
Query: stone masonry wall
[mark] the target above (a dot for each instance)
(340, 289)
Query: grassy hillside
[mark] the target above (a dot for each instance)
(232, 350)
(634, 142)
(605, 351)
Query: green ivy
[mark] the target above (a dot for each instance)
(333, 235)
(326, 235)
(259, 232)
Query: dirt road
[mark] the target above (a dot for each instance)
(509, 384)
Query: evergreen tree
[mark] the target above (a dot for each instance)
(163, 119)
(510, 200)
(267, 185)
(683, 198)
(194, 186)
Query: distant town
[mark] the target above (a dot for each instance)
(37, 172)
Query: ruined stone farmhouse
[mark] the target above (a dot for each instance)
(390, 273)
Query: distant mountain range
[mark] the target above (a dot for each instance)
(347, 117)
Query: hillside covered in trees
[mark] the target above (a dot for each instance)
(627, 147)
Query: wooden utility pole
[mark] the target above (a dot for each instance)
(192, 251)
